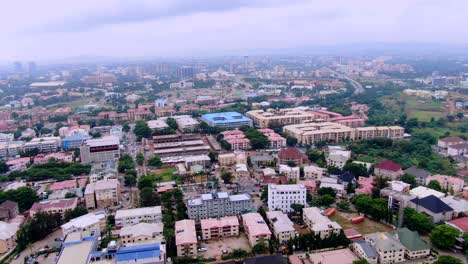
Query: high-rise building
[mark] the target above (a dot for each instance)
(281, 197)
(99, 150)
(185, 72)
(17, 66)
(32, 69)
(218, 205)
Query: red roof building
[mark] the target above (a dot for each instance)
(388, 168)
(286, 155)
(460, 224)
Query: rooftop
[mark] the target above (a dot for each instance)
(104, 141)
(142, 229)
(225, 117)
(342, 256)
(388, 165)
(433, 204)
(411, 239)
(219, 222)
(132, 253)
(185, 232)
(255, 224)
(460, 223)
(124, 213)
(280, 221)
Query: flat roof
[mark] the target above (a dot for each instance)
(124, 213)
(226, 117)
(104, 141)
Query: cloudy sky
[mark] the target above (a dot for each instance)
(52, 29)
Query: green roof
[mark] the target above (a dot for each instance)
(411, 239)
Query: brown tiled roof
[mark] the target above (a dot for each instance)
(388, 165)
(290, 153)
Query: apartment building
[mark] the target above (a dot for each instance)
(218, 205)
(449, 183)
(282, 226)
(185, 123)
(7, 236)
(415, 247)
(229, 159)
(141, 233)
(319, 223)
(256, 229)
(337, 158)
(85, 223)
(127, 217)
(314, 172)
(276, 140)
(226, 120)
(388, 247)
(54, 206)
(280, 117)
(44, 144)
(100, 150)
(389, 169)
(310, 133)
(292, 173)
(364, 250)
(213, 228)
(11, 149)
(102, 193)
(281, 197)
(186, 238)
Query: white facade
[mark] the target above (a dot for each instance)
(126, 217)
(292, 173)
(281, 197)
(282, 226)
(313, 172)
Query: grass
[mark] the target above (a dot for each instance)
(441, 131)
(166, 174)
(367, 227)
(422, 108)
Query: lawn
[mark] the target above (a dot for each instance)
(166, 174)
(366, 227)
(441, 131)
(422, 108)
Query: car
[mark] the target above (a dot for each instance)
(201, 249)
(225, 251)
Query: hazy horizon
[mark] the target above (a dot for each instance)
(52, 30)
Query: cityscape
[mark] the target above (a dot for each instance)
(320, 151)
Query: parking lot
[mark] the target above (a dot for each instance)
(214, 248)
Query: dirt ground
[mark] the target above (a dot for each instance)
(366, 227)
(216, 246)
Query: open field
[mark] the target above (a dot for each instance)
(423, 108)
(215, 247)
(165, 174)
(366, 227)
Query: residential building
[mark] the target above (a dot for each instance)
(7, 236)
(85, 223)
(158, 124)
(256, 229)
(310, 185)
(213, 228)
(314, 172)
(78, 247)
(292, 173)
(54, 206)
(141, 233)
(389, 169)
(127, 217)
(287, 155)
(282, 226)
(458, 204)
(281, 197)
(328, 182)
(341, 256)
(185, 123)
(229, 159)
(311, 133)
(449, 141)
(415, 247)
(420, 175)
(422, 192)
(319, 223)
(433, 207)
(460, 223)
(102, 193)
(276, 140)
(66, 157)
(18, 163)
(449, 183)
(100, 150)
(154, 253)
(457, 150)
(280, 117)
(364, 250)
(68, 184)
(365, 185)
(8, 210)
(43, 144)
(262, 160)
(388, 247)
(218, 205)
(397, 201)
(338, 158)
(11, 149)
(226, 120)
(186, 238)
(74, 141)
(399, 186)
(202, 160)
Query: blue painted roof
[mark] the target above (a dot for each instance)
(138, 252)
(76, 137)
(225, 117)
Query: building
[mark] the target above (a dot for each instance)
(202, 160)
(256, 229)
(449, 183)
(229, 159)
(341, 256)
(365, 185)
(461, 224)
(276, 140)
(311, 133)
(457, 150)
(415, 247)
(314, 172)
(399, 186)
(280, 117)
(102, 193)
(8, 210)
(388, 247)
(185, 123)
(127, 217)
(364, 250)
(157, 124)
(43, 144)
(338, 158)
(85, 223)
(449, 141)
(292, 173)
(58, 157)
(218, 205)
(281, 197)
(73, 142)
(458, 204)
(287, 155)
(141, 233)
(213, 228)
(422, 192)
(11, 149)
(226, 120)
(153, 253)
(186, 238)
(7, 236)
(420, 174)
(78, 247)
(433, 207)
(185, 72)
(389, 169)
(100, 150)
(282, 226)
(319, 223)
(54, 206)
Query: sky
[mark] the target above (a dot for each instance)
(57, 29)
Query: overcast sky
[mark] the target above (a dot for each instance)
(51, 29)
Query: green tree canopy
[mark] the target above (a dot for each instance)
(444, 236)
(435, 185)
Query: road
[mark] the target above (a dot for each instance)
(357, 86)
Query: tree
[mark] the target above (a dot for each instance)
(213, 156)
(360, 261)
(24, 196)
(129, 180)
(378, 184)
(140, 158)
(409, 178)
(70, 195)
(343, 205)
(125, 128)
(155, 161)
(226, 177)
(125, 163)
(460, 115)
(326, 200)
(435, 185)
(327, 190)
(172, 123)
(259, 248)
(350, 188)
(3, 167)
(148, 197)
(417, 221)
(257, 139)
(444, 236)
(74, 213)
(145, 181)
(297, 208)
(264, 195)
(291, 141)
(444, 259)
(356, 169)
(142, 130)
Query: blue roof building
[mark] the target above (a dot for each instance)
(146, 253)
(73, 142)
(226, 120)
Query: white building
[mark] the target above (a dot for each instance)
(281, 197)
(185, 123)
(141, 233)
(282, 226)
(256, 229)
(292, 173)
(314, 172)
(100, 149)
(319, 223)
(43, 144)
(126, 217)
(87, 222)
(338, 158)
